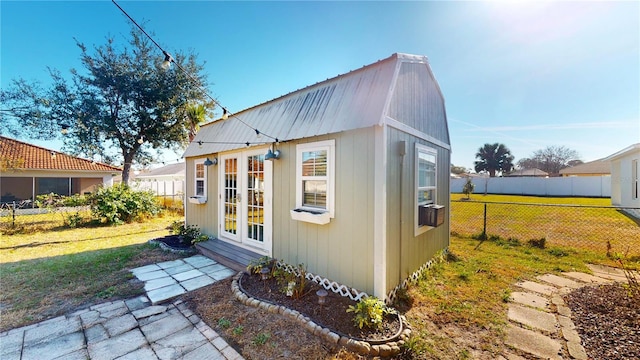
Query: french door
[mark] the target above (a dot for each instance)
(245, 199)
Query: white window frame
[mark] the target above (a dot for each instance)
(421, 229)
(196, 178)
(329, 146)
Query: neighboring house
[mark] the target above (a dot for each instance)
(625, 173)
(28, 170)
(600, 167)
(361, 158)
(528, 173)
(165, 180)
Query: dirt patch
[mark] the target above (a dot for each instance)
(608, 321)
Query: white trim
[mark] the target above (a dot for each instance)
(221, 202)
(380, 212)
(415, 132)
(418, 230)
(330, 147)
(196, 178)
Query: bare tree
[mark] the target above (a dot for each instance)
(551, 159)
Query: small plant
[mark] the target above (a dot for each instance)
(468, 188)
(224, 323)
(557, 252)
(539, 243)
(238, 330)
(369, 312)
(261, 339)
(189, 234)
(74, 220)
(255, 266)
(506, 295)
(294, 284)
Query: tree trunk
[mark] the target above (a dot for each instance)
(126, 168)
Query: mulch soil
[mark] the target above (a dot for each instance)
(608, 321)
(332, 315)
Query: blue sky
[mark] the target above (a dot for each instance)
(526, 74)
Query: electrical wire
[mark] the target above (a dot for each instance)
(169, 58)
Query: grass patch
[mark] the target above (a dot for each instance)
(51, 273)
(471, 288)
(592, 225)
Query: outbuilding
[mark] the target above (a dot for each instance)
(349, 176)
(625, 175)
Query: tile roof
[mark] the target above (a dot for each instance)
(31, 157)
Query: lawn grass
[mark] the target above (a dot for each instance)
(577, 223)
(466, 295)
(50, 273)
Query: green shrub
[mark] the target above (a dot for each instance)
(119, 204)
(190, 234)
(369, 312)
(539, 243)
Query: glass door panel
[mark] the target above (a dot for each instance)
(230, 196)
(255, 198)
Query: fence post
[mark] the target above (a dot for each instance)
(484, 227)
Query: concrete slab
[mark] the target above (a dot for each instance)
(223, 274)
(187, 275)
(204, 352)
(152, 275)
(11, 356)
(533, 318)
(537, 287)
(179, 269)
(11, 343)
(586, 278)
(179, 343)
(533, 343)
(159, 283)
(609, 273)
(149, 311)
(559, 281)
(197, 282)
(165, 293)
(170, 264)
(95, 334)
(212, 268)
(137, 303)
(530, 299)
(576, 351)
(145, 269)
(119, 325)
(166, 326)
(566, 322)
(199, 261)
(53, 348)
(144, 353)
(48, 331)
(117, 346)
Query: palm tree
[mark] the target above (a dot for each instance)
(493, 158)
(195, 116)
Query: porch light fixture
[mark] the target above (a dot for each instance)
(322, 296)
(209, 162)
(271, 155)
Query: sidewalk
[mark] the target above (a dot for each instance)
(135, 329)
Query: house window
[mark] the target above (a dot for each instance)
(634, 179)
(201, 179)
(425, 182)
(315, 177)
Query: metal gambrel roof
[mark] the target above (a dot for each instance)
(354, 100)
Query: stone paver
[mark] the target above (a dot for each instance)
(537, 287)
(586, 278)
(559, 281)
(136, 328)
(533, 318)
(530, 299)
(533, 343)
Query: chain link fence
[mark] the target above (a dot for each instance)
(601, 229)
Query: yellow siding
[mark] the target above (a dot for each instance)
(406, 252)
(343, 249)
(204, 216)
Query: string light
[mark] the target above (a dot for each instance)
(168, 60)
(141, 140)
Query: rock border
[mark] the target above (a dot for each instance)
(165, 247)
(391, 347)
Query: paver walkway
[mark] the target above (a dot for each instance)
(540, 322)
(135, 329)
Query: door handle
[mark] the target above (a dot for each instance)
(238, 197)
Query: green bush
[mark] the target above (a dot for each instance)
(119, 204)
(369, 312)
(189, 234)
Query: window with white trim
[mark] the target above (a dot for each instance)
(315, 176)
(200, 188)
(425, 181)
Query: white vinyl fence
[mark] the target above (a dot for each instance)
(587, 186)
